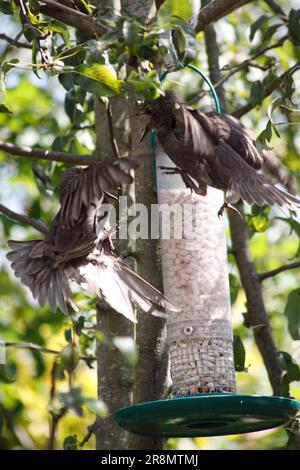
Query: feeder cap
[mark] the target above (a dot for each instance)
(214, 414)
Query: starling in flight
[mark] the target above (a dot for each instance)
(75, 249)
(211, 149)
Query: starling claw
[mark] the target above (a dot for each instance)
(226, 205)
(174, 170)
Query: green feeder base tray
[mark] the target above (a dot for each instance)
(215, 414)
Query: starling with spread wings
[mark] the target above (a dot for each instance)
(75, 249)
(211, 149)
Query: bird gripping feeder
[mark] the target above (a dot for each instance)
(195, 276)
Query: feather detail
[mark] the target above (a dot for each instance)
(119, 286)
(46, 283)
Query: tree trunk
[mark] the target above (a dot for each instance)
(151, 370)
(114, 379)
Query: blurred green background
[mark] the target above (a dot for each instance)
(40, 117)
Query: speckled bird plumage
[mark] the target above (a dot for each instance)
(214, 150)
(73, 248)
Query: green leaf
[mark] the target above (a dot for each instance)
(239, 354)
(72, 400)
(288, 86)
(184, 41)
(292, 312)
(257, 92)
(8, 373)
(234, 287)
(290, 369)
(295, 227)
(60, 28)
(103, 81)
(259, 219)
(6, 8)
(68, 335)
(98, 407)
(79, 325)
(257, 25)
(148, 85)
(131, 30)
(69, 356)
(264, 137)
(4, 109)
(71, 443)
(294, 26)
(127, 347)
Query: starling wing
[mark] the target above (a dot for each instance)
(40, 264)
(246, 183)
(110, 278)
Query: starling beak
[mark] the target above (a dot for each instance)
(74, 248)
(214, 150)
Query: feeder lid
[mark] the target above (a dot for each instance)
(214, 414)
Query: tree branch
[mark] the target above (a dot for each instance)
(242, 65)
(215, 10)
(37, 347)
(49, 155)
(257, 314)
(24, 219)
(14, 42)
(81, 21)
(238, 113)
(281, 269)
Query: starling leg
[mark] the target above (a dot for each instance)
(109, 243)
(185, 177)
(226, 205)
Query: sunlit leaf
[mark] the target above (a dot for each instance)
(97, 407)
(126, 345)
(106, 82)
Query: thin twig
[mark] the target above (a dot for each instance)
(36, 33)
(42, 349)
(14, 42)
(24, 219)
(113, 141)
(238, 113)
(91, 430)
(281, 269)
(55, 417)
(246, 63)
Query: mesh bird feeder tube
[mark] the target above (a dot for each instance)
(194, 262)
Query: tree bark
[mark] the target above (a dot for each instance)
(114, 377)
(151, 370)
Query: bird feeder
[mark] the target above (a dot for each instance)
(194, 262)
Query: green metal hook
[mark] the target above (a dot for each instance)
(205, 77)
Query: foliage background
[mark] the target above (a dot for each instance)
(42, 117)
